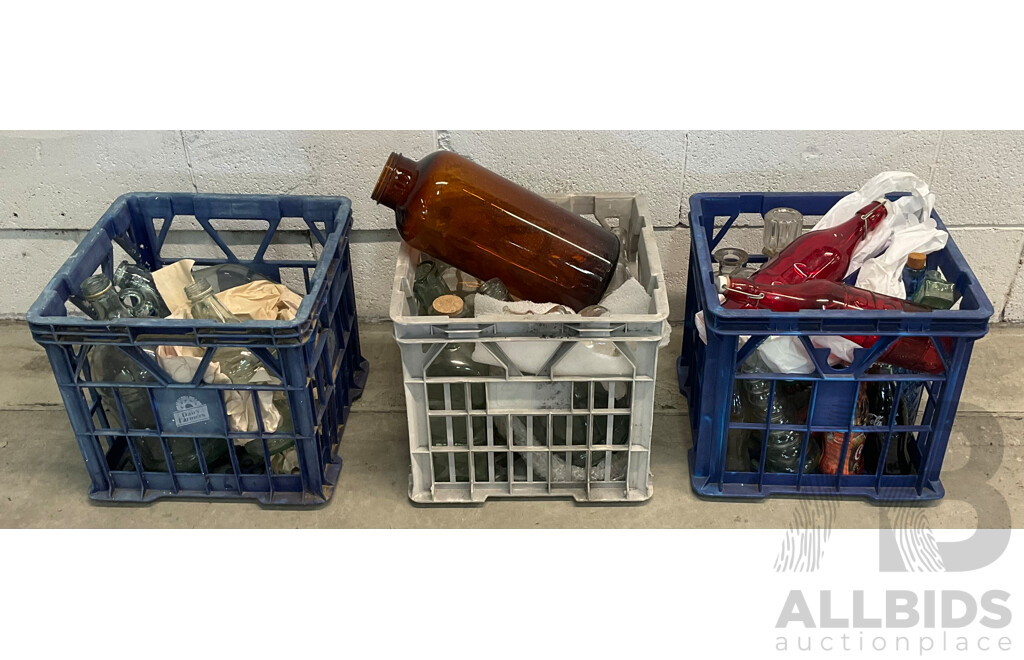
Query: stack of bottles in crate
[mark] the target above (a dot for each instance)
(806, 272)
(483, 239)
(135, 292)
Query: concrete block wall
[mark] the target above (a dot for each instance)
(54, 185)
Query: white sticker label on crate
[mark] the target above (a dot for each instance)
(190, 410)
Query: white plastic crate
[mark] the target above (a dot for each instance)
(569, 406)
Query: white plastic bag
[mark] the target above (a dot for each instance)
(884, 273)
(905, 212)
(908, 227)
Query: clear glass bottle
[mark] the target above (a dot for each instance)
(730, 260)
(594, 311)
(138, 291)
(460, 282)
(783, 450)
(494, 288)
(110, 364)
(735, 460)
(238, 364)
(450, 207)
(456, 360)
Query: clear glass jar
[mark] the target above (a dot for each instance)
(782, 226)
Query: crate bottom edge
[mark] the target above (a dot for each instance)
(449, 497)
(734, 491)
(132, 495)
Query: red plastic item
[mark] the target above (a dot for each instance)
(915, 353)
(819, 255)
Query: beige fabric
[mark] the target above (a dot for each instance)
(171, 282)
(261, 300)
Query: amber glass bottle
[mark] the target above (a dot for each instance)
(455, 210)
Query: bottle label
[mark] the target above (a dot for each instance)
(197, 411)
(834, 447)
(190, 410)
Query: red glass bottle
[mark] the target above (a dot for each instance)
(452, 208)
(819, 255)
(915, 353)
(824, 254)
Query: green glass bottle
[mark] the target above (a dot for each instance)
(428, 286)
(935, 292)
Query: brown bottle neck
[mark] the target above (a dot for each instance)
(396, 181)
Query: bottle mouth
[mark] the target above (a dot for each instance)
(198, 289)
(730, 260)
(95, 286)
(385, 177)
(120, 271)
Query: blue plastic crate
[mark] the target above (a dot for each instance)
(316, 356)
(708, 372)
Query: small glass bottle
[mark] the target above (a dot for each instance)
(782, 226)
(736, 445)
(428, 286)
(730, 260)
(913, 272)
(455, 360)
(494, 288)
(935, 292)
(238, 364)
(447, 205)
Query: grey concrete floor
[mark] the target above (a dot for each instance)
(43, 482)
